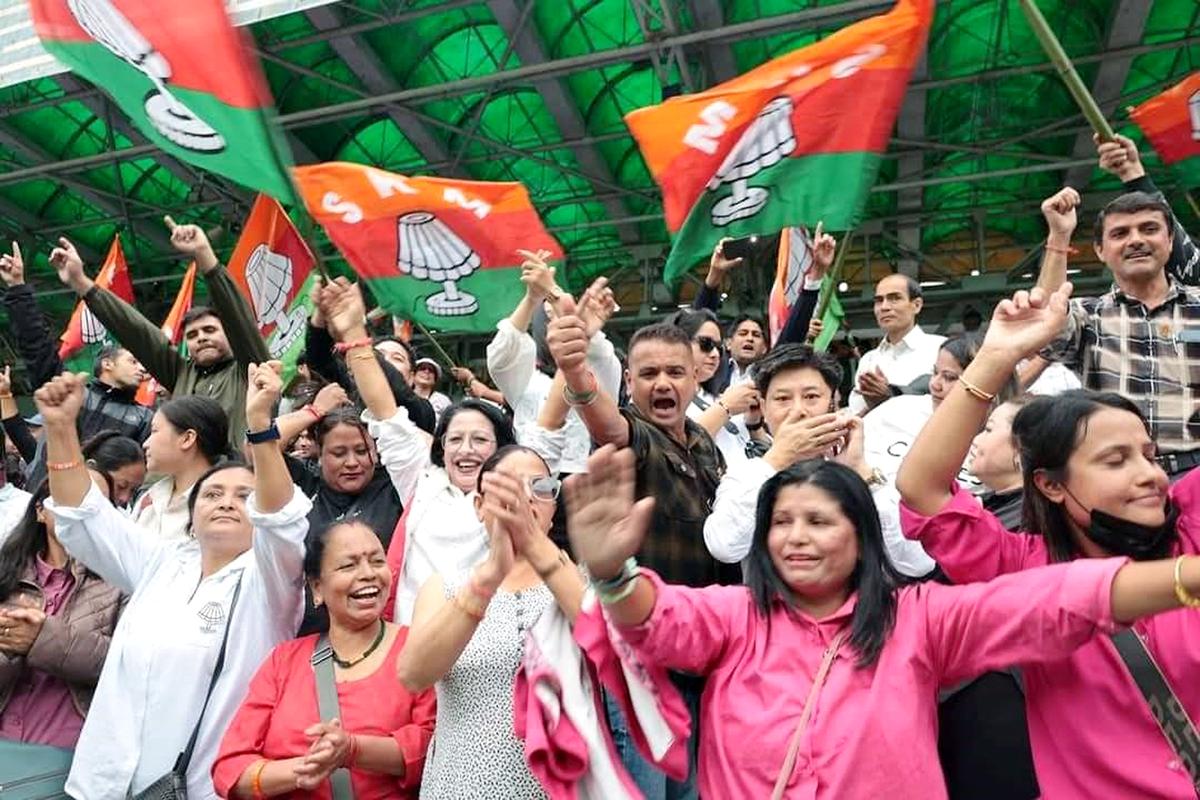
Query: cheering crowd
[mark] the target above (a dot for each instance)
(715, 566)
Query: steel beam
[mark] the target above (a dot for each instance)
(1127, 23)
(562, 107)
(366, 66)
(718, 56)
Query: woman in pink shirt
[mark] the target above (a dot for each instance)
(822, 672)
(1092, 489)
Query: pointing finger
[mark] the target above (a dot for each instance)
(16, 251)
(820, 230)
(170, 222)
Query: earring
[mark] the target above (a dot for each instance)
(316, 602)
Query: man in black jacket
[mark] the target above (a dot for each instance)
(109, 399)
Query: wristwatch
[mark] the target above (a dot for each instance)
(876, 478)
(271, 434)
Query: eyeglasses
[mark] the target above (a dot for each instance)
(477, 441)
(707, 344)
(545, 488)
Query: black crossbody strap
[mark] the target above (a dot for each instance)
(1168, 712)
(329, 709)
(704, 405)
(185, 758)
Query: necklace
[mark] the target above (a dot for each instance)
(367, 654)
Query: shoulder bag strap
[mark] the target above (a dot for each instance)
(1168, 712)
(329, 709)
(789, 761)
(185, 758)
(704, 405)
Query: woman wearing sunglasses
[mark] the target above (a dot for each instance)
(732, 415)
(468, 633)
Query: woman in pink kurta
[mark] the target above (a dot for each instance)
(1093, 489)
(818, 574)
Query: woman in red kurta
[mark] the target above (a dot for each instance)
(278, 747)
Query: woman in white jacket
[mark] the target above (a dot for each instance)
(248, 542)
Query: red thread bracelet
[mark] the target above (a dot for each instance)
(344, 347)
(316, 415)
(1069, 251)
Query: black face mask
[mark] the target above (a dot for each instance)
(1139, 542)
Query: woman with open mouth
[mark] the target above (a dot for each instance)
(434, 477)
(278, 745)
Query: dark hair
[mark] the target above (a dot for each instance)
(1047, 430)
(737, 322)
(342, 415)
(412, 356)
(196, 312)
(911, 285)
(796, 356)
(107, 352)
(690, 320)
(659, 332)
(874, 577)
(204, 416)
(314, 552)
(108, 451)
(27, 539)
(220, 466)
(500, 426)
(963, 348)
(1131, 203)
(502, 453)
(304, 392)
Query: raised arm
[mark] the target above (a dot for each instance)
(1121, 158)
(1060, 212)
(14, 426)
(88, 526)
(567, 337)
(709, 295)
(139, 335)
(511, 354)
(1020, 326)
(38, 348)
(273, 485)
(344, 311)
(442, 627)
(241, 327)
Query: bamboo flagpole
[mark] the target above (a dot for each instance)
(832, 280)
(436, 345)
(1066, 70)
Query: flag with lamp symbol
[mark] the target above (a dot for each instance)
(794, 141)
(435, 251)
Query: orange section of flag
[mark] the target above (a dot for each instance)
(362, 208)
(83, 328)
(794, 261)
(1171, 120)
(270, 263)
(690, 136)
(172, 328)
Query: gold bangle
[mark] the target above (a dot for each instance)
(975, 391)
(256, 779)
(1185, 597)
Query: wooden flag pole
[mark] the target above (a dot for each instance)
(834, 277)
(1192, 202)
(1066, 71)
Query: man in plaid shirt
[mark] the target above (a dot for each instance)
(1142, 338)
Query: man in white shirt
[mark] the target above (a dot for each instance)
(905, 354)
(747, 343)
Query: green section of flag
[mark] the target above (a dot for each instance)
(829, 187)
(1188, 171)
(254, 154)
(287, 341)
(84, 359)
(831, 321)
(495, 292)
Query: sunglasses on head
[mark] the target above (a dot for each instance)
(707, 344)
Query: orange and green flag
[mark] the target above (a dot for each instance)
(440, 252)
(274, 268)
(172, 328)
(85, 335)
(1171, 121)
(182, 73)
(795, 141)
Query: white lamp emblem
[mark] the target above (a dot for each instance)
(270, 276)
(170, 117)
(91, 329)
(430, 251)
(767, 141)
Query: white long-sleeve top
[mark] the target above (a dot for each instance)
(442, 533)
(512, 363)
(729, 529)
(165, 647)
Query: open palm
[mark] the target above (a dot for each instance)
(605, 524)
